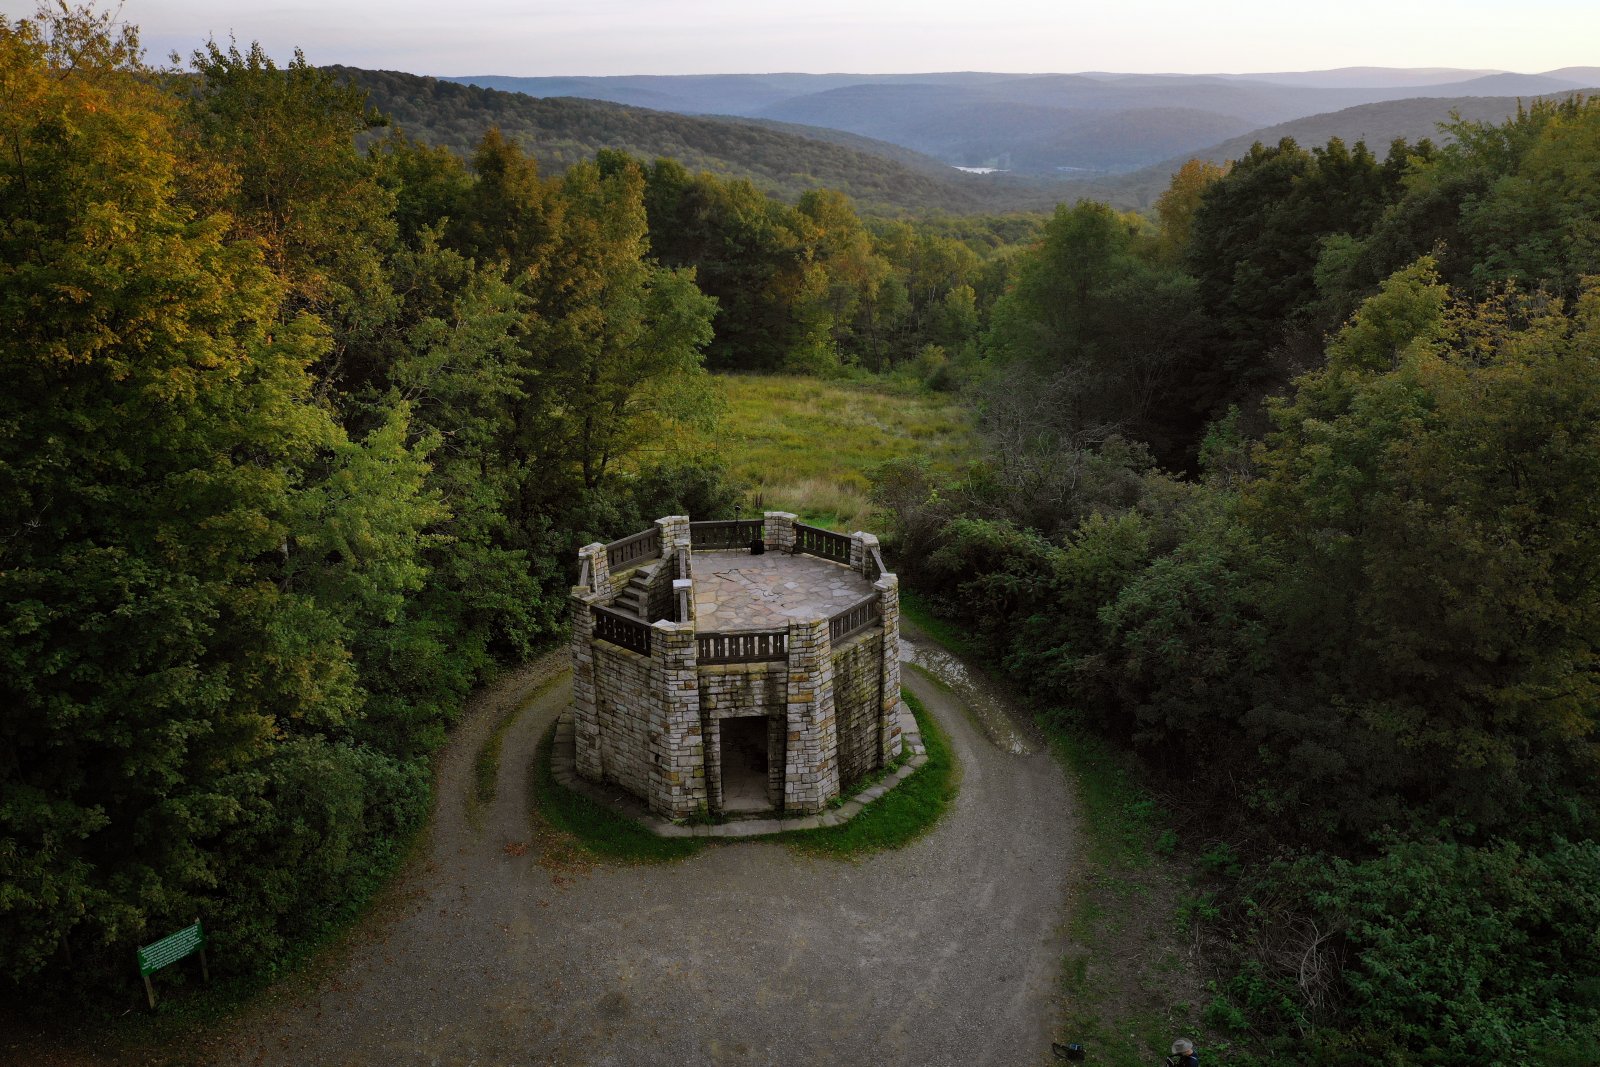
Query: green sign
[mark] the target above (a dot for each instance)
(171, 949)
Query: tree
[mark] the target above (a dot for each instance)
(1102, 337)
(156, 426)
(619, 339)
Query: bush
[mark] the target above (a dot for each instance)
(1458, 953)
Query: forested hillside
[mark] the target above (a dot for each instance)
(1355, 644)
(776, 158)
(1053, 124)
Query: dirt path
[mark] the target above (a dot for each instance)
(945, 952)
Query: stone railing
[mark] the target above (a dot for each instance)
(824, 543)
(646, 544)
(853, 620)
(730, 533)
(620, 630)
(742, 646)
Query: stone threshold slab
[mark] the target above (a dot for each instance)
(563, 767)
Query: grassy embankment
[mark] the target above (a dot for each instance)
(899, 817)
(809, 446)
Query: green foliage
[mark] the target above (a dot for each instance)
(1094, 338)
(1253, 247)
(295, 446)
(1458, 951)
(1367, 636)
(1507, 202)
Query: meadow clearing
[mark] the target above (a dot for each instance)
(809, 446)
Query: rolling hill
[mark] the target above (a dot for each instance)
(1044, 125)
(1376, 124)
(777, 158)
(1126, 155)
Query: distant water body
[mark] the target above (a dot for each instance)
(983, 170)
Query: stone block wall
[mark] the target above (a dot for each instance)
(678, 767)
(650, 723)
(662, 602)
(858, 703)
(585, 716)
(811, 756)
(888, 588)
(778, 530)
(628, 700)
(730, 690)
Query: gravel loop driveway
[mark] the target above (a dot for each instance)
(944, 952)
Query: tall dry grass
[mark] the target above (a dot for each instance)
(808, 446)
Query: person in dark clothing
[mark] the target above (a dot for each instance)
(1183, 1054)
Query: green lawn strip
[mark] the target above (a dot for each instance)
(1119, 910)
(901, 815)
(596, 827)
(895, 819)
(486, 767)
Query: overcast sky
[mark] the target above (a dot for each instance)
(543, 37)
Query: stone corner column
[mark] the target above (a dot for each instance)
(779, 530)
(599, 566)
(677, 746)
(861, 546)
(674, 534)
(586, 749)
(888, 588)
(811, 756)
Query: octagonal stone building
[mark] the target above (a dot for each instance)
(736, 666)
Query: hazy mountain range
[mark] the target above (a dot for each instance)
(891, 142)
(1044, 124)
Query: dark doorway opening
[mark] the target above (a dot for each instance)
(744, 764)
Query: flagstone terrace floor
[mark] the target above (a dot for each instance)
(734, 590)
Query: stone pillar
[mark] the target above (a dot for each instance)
(779, 531)
(811, 754)
(683, 593)
(674, 534)
(677, 746)
(585, 708)
(599, 567)
(861, 546)
(888, 588)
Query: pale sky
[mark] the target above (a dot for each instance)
(546, 37)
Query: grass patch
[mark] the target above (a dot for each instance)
(596, 828)
(1129, 908)
(807, 445)
(486, 766)
(898, 817)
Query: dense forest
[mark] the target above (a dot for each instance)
(1291, 490)
(1354, 637)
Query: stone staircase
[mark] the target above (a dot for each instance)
(634, 599)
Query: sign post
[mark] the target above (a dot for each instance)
(171, 949)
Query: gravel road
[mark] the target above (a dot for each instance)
(944, 952)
